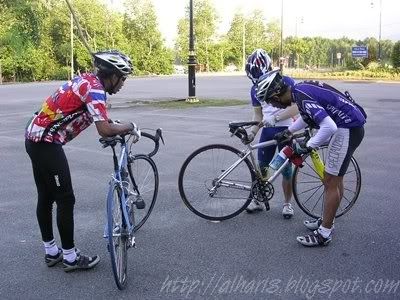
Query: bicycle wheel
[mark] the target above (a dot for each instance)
(308, 189)
(144, 179)
(197, 179)
(117, 237)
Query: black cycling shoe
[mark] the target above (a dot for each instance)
(52, 260)
(82, 262)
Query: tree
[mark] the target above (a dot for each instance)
(396, 55)
(146, 45)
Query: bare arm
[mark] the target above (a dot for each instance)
(257, 116)
(106, 129)
(287, 113)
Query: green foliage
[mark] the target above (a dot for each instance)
(396, 55)
(35, 41)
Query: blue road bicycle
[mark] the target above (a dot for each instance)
(131, 197)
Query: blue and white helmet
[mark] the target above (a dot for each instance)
(258, 63)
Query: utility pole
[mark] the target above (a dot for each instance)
(244, 46)
(192, 59)
(380, 30)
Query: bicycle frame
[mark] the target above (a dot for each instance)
(249, 152)
(117, 180)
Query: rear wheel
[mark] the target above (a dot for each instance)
(308, 189)
(117, 237)
(198, 187)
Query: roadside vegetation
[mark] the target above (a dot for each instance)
(35, 42)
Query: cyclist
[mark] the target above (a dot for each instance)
(273, 120)
(340, 121)
(71, 109)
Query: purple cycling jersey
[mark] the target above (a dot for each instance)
(317, 100)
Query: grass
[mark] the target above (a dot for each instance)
(182, 104)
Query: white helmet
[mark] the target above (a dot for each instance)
(113, 62)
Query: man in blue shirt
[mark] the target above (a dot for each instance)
(340, 121)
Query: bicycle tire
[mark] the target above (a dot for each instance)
(195, 163)
(117, 237)
(351, 183)
(144, 179)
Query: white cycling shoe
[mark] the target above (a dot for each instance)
(254, 206)
(287, 211)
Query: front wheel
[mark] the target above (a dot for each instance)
(144, 182)
(117, 237)
(200, 189)
(309, 192)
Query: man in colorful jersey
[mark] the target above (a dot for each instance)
(70, 110)
(273, 120)
(340, 121)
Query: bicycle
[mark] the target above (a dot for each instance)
(217, 181)
(131, 197)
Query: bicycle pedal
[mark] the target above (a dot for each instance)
(133, 244)
(267, 207)
(140, 204)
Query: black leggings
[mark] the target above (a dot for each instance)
(53, 182)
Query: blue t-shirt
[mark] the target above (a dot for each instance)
(253, 96)
(317, 100)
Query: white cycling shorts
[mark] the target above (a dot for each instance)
(341, 148)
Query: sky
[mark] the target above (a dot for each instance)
(355, 19)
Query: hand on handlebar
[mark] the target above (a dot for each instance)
(284, 136)
(135, 132)
(301, 148)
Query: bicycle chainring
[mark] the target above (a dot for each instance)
(262, 191)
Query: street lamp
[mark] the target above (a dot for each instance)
(192, 59)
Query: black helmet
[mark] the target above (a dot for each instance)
(113, 62)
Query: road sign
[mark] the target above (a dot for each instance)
(359, 51)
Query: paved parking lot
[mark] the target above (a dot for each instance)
(180, 255)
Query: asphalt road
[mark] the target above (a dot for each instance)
(180, 255)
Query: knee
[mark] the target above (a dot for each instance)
(287, 172)
(65, 199)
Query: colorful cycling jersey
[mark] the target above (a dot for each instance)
(317, 100)
(70, 110)
(268, 109)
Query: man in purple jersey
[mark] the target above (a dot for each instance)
(339, 120)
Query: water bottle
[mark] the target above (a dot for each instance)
(318, 164)
(279, 159)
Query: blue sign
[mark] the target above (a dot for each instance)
(359, 51)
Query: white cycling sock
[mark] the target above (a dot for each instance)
(325, 232)
(51, 247)
(69, 255)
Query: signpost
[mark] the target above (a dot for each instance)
(359, 51)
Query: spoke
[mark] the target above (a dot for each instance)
(313, 188)
(313, 194)
(319, 181)
(310, 175)
(349, 190)
(311, 167)
(319, 198)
